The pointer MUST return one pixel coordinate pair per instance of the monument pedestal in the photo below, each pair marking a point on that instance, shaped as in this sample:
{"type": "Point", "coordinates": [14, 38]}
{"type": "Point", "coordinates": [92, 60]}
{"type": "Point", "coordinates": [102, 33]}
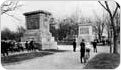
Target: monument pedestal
{"type": "Point", "coordinates": [48, 42]}
{"type": "Point", "coordinates": [85, 32]}
{"type": "Point", "coordinates": [37, 23]}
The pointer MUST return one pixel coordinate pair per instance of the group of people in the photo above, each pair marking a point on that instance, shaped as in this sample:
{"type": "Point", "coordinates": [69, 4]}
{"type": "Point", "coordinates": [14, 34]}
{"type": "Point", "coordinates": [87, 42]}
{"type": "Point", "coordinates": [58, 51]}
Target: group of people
{"type": "Point", "coordinates": [10, 46]}
{"type": "Point", "coordinates": [30, 46]}
{"type": "Point", "coordinates": [85, 49]}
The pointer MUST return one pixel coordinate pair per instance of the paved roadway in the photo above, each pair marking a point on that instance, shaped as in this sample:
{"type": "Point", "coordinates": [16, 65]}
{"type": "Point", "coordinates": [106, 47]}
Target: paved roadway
{"type": "Point", "coordinates": [62, 60]}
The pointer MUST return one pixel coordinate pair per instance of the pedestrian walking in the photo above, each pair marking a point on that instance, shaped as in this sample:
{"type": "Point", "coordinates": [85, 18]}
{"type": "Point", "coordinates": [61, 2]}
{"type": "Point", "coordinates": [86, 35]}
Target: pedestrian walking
{"type": "Point", "coordinates": [74, 46]}
{"type": "Point", "coordinates": [95, 46]}
{"type": "Point", "coordinates": [82, 51]}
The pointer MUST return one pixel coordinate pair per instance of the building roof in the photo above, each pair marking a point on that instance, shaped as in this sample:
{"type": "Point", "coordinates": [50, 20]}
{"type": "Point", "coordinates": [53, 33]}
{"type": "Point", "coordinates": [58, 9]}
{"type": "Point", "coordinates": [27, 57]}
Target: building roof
{"type": "Point", "coordinates": [37, 12]}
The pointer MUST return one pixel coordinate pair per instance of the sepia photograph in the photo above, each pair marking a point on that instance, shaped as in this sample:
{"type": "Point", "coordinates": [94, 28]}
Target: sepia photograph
{"type": "Point", "coordinates": [50, 34]}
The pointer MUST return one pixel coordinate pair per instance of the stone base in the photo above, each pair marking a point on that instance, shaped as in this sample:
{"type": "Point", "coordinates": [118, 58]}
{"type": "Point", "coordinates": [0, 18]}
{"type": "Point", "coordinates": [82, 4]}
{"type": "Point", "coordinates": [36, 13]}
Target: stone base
{"type": "Point", "coordinates": [31, 35]}
{"type": "Point", "coordinates": [51, 45]}
{"type": "Point", "coordinates": [46, 41]}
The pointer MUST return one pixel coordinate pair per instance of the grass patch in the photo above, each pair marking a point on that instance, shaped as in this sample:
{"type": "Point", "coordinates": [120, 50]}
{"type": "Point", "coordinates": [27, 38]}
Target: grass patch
{"type": "Point", "coordinates": [22, 57]}
{"type": "Point", "coordinates": [104, 61]}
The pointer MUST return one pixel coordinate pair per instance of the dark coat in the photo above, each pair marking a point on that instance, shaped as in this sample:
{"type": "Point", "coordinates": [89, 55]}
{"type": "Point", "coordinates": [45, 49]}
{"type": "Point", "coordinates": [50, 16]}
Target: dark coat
{"type": "Point", "coordinates": [74, 44]}
{"type": "Point", "coordinates": [82, 50]}
{"type": "Point", "coordinates": [94, 44]}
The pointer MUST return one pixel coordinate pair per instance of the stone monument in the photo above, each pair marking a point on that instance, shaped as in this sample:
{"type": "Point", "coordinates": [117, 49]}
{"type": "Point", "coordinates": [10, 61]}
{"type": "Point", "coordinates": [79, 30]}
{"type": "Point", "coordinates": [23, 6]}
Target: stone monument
{"type": "Point", "coordinates": [85, 32]}
{"type": "Point", "coordinates": [37, 24]}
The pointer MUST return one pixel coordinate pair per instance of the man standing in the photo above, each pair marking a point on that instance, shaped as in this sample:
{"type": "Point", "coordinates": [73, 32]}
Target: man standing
{"type": "Point", "coordinates": [74, 46]}
{"type": "Point", "coordinates": [32, 45]}
{"type": "Point", "coordinates": [27, 46]}
{"type": "Point", "coordinates": [82, 51]}
{"type": "Point", "coordinates": [95, 46]}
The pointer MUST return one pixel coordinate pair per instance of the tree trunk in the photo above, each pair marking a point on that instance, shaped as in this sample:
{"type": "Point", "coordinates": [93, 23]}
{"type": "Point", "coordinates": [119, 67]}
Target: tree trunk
{"type": "Point", "coordinates": [115, 40]}
{"type": "Point", "coordinates": [99, 37]}
{"type": "Point", "coordinates": [109, 39]}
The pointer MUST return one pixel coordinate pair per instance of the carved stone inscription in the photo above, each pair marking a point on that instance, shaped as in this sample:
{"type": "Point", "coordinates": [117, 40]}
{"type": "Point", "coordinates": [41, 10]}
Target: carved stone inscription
{"type": "Point", "coordinates": [33, 21]}
{"type": "Point", "coordinates": [84, 30]}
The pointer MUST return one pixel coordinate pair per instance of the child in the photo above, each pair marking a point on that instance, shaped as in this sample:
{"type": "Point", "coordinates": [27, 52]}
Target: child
{"type": "Point", "coordinates": [87, 54]}
{"type": "Point", "coordinates": [88, 48]}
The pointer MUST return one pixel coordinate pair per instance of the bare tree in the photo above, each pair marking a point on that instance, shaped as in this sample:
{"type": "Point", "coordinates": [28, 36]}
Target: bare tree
{"type": "Point", "coordinates": [99, 25]}
{"type": "Point", "coordinates": [21, 30]}
{"type": "Point", "coordinates": [9, 6]}
{"type": "Point", "coordinates": [113, 24]}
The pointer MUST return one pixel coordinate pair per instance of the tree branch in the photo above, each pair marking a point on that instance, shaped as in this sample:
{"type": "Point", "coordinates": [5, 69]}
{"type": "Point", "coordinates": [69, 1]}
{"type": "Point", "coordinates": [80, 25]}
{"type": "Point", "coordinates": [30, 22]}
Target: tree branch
{"type": "Point", "coordinates": [12, 16]}
{"type": "Point", "coordinates": [9, 6]}
{"type": "Point", "coordinates": [115, 11]}
{"type": "Point", "coordinates": [103, 6]}
{"type": "Point", "coordinates": [117, 5]}
{"type": "Point", "coordinates": [108, 9]}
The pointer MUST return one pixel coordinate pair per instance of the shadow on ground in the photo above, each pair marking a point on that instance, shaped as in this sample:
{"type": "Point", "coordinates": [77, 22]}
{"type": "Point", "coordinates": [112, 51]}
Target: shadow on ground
{"type": "Point", "coordinates": [104, 61]}
{"type": "Point", "coordinates": [22, 57]}
{"type": "Point", "coordinates": [25, 56]}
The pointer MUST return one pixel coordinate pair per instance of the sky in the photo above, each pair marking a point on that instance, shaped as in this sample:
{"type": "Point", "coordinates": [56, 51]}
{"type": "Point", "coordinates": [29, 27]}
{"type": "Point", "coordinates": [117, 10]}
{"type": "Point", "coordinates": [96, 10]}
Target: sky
{"type": "Point", "coordinates": [59, 10]}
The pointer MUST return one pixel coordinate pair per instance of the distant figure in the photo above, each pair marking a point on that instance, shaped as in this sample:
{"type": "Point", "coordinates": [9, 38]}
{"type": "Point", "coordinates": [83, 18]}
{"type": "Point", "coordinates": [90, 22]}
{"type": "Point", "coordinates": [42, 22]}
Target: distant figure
{"type": "Point", "coordinates": [108, 42]}
{"type": "Point", "coordinates": [27, 46]}
{"type": "Point", "coordinates": [31, 44]}
{"type": "Point", "coordinates": [82, 51]}
{"type": "Point", "coordinates": [20, 47]}
{"type": "Point", "coordinates": [95, 46]}
{"type": "Point", "coordinates": [74, 46]}
{"type": "Point", "coordinates": [103, 41]}
{"type": "Point", "coordinates": [4, 48]}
